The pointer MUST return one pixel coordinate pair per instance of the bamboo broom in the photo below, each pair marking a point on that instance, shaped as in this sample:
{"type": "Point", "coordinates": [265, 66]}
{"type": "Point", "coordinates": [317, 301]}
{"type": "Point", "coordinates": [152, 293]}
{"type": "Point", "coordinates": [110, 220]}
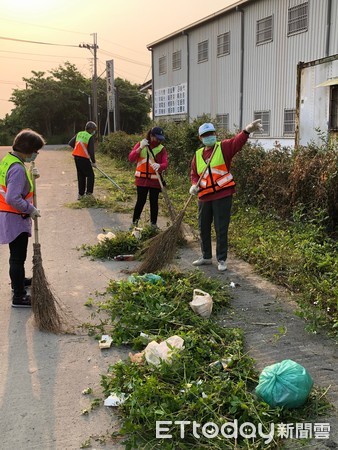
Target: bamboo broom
{"type": "Point", "coordinates": [47, 314]}
{"type": "Point", "coordinates": [162, 248]}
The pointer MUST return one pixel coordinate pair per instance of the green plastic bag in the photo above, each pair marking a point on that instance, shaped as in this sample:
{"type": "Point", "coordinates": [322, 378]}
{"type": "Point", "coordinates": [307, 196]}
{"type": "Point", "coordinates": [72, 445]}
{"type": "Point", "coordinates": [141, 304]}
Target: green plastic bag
{"type": "Point", "coordinates": [148, 277]}
{"type": "Point", "coordinates": [285, 384]}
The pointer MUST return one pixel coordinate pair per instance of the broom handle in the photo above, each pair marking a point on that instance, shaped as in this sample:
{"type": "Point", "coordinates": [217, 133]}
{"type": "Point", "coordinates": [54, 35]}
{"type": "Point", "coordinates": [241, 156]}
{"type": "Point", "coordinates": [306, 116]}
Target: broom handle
{"type": "Point", "coordinates": [199, 180]}
{"type": "Point", "coordinates": [156, 171]}
{"type": "Point", "coordinates": [36, 228]}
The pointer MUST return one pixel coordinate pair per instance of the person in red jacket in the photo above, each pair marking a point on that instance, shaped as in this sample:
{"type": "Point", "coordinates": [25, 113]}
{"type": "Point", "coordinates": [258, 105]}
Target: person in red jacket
{"type": "Point", "coordinates": [151, 159]}
{"type": "Point", "coordinates": [216, 188]}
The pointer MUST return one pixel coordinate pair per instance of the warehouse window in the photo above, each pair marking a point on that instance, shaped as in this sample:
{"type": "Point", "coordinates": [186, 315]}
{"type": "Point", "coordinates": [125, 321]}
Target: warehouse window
{"type": "Point", "coordinates": [289, 122]}
{"type": "Point", "coordinates": [334, 108]}
{"type": "Point", "coordinates": [176, 60]}
{"type": "Point", "coordinates": [264, 30]}
{"type": "Point", "coordinates": [265, 118]}
{"type": "Point", "coordinates": [298, 19]}
{"type": "Point", "coordinates": [223, 121]}
{"type": "Point", "coordinates": [202, 51]}
{"type": "Point", "coordinates": [223, 44]}
{"type": "Point", "coordinates": [162, 65]}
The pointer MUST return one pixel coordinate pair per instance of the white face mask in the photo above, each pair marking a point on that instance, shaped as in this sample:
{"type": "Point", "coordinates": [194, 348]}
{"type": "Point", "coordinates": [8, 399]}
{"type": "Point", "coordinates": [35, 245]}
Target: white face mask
{"type": "Point", "coordinates": [31, 158]}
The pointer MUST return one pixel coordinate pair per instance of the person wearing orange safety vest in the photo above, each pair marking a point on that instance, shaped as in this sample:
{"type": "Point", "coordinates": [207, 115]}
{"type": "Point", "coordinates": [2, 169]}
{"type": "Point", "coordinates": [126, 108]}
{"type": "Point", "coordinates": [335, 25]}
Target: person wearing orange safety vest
{"type": "Point", "coordinates": [17, 209]}
{"type": "Point", "coordinates": [150, 157]}
{"type": "Point", "coordinates": [212, 181]}
{"type": "Point", "coordinates": [84, 157]}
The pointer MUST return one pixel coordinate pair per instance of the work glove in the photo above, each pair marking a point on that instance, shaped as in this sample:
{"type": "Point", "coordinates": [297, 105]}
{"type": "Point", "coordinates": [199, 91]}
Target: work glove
{"type": "Point", "coordinates": [155, 166]}
{"type": "Point", "coordinates": [193, 190]}
{"type": "Point", "coordinates": [256, 125]}
{"type": "Point", "coordinates": [93, 164]}
{"type": "Point", "coordinates": [143, 143]}
{"type": "Point", "coordinates": [35, 173]}
{"type": "Point", "coordinates": [35, 213]}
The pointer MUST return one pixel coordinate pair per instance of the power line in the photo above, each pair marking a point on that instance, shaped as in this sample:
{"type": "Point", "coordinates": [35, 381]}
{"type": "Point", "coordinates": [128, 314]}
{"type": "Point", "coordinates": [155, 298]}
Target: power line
{"type": "Point", "coordinates": [40, 54]}
{"type": "Point", "coordinates": [36, 42]}
{"type": "Point", "coordinates": [123, 58]}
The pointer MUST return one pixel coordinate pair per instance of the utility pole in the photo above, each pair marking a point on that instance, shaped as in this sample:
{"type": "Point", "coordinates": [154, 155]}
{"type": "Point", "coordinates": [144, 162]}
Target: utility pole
{"type": "Point", "coordinates": [93, 50]}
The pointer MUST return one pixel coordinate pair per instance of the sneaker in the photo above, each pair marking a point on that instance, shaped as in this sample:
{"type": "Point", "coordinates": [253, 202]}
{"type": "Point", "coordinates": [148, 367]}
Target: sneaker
{"type": "Point", "coordinates": [222, 266]}
{"type": "Point", "coordinates": [133, 225]}
{"type": "Point", "coordinates": [22, 302]}
{"type": "Point", "coordinates": [202, 261]}
{"type": "Point", "coordinates": [80, 196]}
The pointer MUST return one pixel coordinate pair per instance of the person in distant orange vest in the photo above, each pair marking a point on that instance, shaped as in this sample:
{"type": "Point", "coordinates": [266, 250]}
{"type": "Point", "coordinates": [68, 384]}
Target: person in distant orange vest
{"type": "Point", "coordinates": [216, 188]}
{"type": "Point", "coordinates": [146, 179]}
{"type": "Point", "coordinates": [84, 156]}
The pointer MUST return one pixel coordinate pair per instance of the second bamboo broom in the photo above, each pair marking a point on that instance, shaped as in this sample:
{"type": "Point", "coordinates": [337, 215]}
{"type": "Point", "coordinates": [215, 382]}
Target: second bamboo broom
{"type": "Point", "coordinates": [162, 248]}
{"type": "Point", "coordinates": [45, 306]}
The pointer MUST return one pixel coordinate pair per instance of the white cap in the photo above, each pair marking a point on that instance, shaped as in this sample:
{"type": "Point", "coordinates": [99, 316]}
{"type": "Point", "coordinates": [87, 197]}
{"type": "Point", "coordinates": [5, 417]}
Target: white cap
{"type": "Point", "coordinates": [205, 128]}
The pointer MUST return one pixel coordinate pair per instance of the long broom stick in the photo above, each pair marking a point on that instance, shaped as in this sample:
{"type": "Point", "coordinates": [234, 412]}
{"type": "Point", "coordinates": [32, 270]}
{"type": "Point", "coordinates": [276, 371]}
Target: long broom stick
{"type": "Point", "coordinates": [170, 207]}
{"type": "Point", "coordinates": [162, 248]}
{"type": "Point", "coordinates": [110, 179]}
{"type": "Point", "coordinates": [44, 304]}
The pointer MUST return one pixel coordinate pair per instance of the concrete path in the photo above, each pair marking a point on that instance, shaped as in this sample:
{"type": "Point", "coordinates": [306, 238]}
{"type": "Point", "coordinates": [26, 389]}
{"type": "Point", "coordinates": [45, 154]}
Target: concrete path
{"type": "Point", "coordinates": [42, 376]}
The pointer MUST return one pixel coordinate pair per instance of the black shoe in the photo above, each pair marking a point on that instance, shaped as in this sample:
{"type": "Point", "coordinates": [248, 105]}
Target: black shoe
{"type": "Point", "coordinates": [22, 302]}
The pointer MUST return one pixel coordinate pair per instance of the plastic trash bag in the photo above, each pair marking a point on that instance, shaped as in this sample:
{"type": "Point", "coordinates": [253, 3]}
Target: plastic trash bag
{"type": "Point", "coordinates": [155, 353]}
{"type": "Point", "coordinates": [201, 303]}
{"type": "Point", "coordinates": [285, 384]}
{"type": "Point", "coordinates": [148, 277]}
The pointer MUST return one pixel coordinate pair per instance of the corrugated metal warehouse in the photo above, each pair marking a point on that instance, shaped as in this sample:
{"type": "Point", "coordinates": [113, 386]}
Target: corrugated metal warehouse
{"type": "Point", "coordinates": [240, 64]}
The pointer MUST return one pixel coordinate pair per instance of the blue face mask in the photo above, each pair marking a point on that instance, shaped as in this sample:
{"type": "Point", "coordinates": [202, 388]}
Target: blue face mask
{"type": "Point", "coordinates": [31, 158]}
{"type": "Point", "coordinates": [209, 141]}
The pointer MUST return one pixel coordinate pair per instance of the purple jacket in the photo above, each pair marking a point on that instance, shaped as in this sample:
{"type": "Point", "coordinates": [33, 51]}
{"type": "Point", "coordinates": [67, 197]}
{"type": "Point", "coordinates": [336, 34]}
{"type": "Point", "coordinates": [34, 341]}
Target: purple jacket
{"type": "Point", "coordinates": [11, 225]}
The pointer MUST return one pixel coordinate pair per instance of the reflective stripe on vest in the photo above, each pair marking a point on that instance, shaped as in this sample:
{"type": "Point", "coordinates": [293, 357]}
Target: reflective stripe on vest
{"type": "Point", "coordinates": [143, 168]}
{"type": "Point", "coordinates": [81, 144]}
{"type": "Point", "coordinates": [217, 177]}
{"type": "Point", "coordinates": [5, 164]}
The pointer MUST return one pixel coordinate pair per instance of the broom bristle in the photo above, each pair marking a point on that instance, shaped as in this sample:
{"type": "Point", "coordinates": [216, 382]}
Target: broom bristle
{"type": "Point", "coordinates": [162, 248]}
{"type": "Point", "coordinates": [48, 313]}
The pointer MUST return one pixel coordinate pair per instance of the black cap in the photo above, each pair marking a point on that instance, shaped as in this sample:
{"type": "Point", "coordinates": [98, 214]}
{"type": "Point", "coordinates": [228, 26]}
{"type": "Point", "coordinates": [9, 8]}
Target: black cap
{"type": "Point", "coordinates": [158, 133]}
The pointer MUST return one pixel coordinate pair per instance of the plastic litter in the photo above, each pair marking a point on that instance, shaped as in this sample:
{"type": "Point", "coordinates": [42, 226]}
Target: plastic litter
{"type": "Point", "coordinates": [102, 237]}
{"type": "Point", "coordinates": [155, 353]}
{"type": "Point", "coordinates": [286, 383]}
{"type": "Point", "coordinates": [124, 258]}
{"type": "Point", "coordinates": [137, 232]}
{"type": "Point", "coordinates": [105, 341]}
{"type": "Point", "coordinates": [148, 277]}
{"type": "Point", "coordinates": [202, 303]}
{"type": "Point", "coordinates": [115, 400]}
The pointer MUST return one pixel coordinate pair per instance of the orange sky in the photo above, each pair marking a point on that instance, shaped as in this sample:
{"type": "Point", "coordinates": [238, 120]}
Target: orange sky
{"type": "Point", "coordinates": [123, 27]}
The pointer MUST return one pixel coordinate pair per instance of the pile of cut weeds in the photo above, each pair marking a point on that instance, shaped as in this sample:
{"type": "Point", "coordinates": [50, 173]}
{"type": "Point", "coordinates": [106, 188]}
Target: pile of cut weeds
{"type": "Point", "coordinates": [191, 388]}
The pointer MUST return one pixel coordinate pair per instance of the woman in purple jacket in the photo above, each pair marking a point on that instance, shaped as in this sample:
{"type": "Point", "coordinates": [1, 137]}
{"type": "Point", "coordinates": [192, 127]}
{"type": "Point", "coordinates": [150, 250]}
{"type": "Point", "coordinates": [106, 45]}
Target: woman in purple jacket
{"type": "Point", "coordinates": [17, 210]}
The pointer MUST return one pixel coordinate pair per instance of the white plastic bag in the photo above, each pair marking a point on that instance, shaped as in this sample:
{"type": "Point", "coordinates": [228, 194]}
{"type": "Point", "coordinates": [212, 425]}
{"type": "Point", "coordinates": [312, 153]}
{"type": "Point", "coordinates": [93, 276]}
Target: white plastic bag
{"type": "Point", "coordinates": [201, 303]}
{"type": "Point", "coordinates": [155, 352]}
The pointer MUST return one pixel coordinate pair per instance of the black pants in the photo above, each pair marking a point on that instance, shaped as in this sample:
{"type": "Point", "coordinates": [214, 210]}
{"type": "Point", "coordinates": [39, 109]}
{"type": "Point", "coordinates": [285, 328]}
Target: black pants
{"type": "Point", "coordinates": [217, 211]}
{"type": "Point", "coordinates": [142, 193]}
{"type": "Point", "coordinates": [85, 175]}
{"type": "Point", "coordinates": [17, 258]}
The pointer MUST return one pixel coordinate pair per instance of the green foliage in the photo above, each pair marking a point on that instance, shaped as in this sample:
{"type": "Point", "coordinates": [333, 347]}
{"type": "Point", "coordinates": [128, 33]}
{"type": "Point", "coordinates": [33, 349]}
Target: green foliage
{"type": "Point", "coordinates": [123, 244]}
{"type": "Point", "coordinates": [297, 254]}
{"type": "Point", "coordinates": [118, 145]}
{"type": "Point", "coordinates": [191, 387]}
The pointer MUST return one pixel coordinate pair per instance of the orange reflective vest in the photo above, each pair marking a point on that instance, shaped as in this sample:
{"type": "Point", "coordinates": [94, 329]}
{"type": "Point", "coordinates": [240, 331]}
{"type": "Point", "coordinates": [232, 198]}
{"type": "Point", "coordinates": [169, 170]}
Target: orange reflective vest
{"type": "Point", "coordinates": [5, 164]}
{"type": "Point", "coordinates": [143, 168]}
{"type": "Point", "coordinates": [81, 144]}
{"type": "Point", "coordinates": [217, 177]}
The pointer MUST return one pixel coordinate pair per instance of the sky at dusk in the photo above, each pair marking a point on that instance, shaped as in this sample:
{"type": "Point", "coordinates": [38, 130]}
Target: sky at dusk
{"type": "Point", "coordinates": [123, 27]}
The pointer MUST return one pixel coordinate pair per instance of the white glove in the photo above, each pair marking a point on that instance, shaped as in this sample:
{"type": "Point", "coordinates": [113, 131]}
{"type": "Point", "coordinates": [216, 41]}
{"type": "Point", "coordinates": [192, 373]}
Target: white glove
{"type": "Point", "coordinates": [35, 213]}
{"type": "Point", "coordinates": [93, 164]}
{"type": "Point", "coordinates": [193, 190]}
{"type": "Point", "coordinates": [155, 166]}
{"type": "Point", "coordinates": [143, 143]}
{"type": "Point", "coordinates": [35, 173]}
{"type": "Point", "coordinates": [256, 125]}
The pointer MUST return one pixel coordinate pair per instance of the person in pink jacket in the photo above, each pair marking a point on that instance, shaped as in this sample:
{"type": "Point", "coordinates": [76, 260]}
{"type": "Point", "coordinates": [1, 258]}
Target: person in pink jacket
{"type": "Point", "coordinates": [151, 159]}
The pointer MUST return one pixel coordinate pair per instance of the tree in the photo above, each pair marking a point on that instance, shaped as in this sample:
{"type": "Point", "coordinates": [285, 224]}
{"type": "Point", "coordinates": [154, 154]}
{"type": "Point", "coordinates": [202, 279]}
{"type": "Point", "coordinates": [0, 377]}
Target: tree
{"type": "Point", "coordinates": [133, 107]}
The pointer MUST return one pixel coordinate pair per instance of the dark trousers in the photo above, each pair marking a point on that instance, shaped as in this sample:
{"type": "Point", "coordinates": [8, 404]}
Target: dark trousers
{"type": "Point", "coordinates": [17, 258]}
{"type": "Point", "coordinates": [142, 193]}
{"type": "Point", "coordinates": [85, 175]}
{"type": "Point", "coordinates": [217, 211]}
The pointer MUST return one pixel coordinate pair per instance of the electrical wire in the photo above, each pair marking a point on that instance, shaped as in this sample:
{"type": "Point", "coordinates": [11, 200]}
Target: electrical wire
{"type": "Point", "coordinates": [36, 42]}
